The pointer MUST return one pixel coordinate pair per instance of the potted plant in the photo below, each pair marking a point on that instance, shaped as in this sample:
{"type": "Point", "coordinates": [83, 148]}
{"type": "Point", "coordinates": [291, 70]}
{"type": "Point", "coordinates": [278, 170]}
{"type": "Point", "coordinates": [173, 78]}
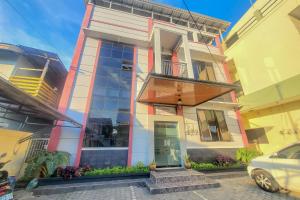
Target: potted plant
{"type": "Point", "coordinates": [152, 166]}
{"type": "Point", "coordinates": [187, 162]}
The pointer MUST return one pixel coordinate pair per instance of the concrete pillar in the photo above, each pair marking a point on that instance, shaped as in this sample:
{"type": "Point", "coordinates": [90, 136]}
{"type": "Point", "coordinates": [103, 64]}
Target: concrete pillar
{"type": "Point", "coordinates": [157, 51]}
{"type": "Point", "coordinates": [195, 35]}
{"type": "Point", "coordinates": [187, 56]}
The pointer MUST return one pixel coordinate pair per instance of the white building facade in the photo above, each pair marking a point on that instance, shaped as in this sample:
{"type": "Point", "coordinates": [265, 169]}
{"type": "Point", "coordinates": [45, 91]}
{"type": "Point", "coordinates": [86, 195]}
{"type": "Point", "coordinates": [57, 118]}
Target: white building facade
{"type": "Point", "coordinates": [148, 82]}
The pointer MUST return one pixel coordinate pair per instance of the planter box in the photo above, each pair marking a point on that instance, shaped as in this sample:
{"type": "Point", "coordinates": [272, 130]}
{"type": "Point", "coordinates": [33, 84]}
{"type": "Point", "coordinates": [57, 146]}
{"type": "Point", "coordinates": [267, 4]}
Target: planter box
{"type": "Point", "coordinates": [83, 179]}
{"type": "Point", "coordinates": [220, 170]}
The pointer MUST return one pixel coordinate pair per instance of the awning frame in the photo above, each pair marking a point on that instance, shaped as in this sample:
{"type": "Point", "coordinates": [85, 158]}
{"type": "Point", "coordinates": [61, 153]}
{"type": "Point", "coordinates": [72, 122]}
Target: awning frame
{"type": "Point", "coordinates": [187, 80]}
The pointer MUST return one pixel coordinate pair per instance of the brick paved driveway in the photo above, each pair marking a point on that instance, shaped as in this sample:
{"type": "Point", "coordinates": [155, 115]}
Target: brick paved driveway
{"type": "Point", "coordinates": [231, 189]}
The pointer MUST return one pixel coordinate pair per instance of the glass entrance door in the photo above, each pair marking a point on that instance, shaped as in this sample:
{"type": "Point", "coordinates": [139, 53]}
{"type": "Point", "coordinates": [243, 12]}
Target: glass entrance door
{"type": "Point", "coordinates": [166, 144]}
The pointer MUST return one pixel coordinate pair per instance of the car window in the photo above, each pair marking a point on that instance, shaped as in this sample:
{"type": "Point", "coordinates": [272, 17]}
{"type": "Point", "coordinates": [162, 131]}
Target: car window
{"type": "Point", "coordinates": [292, 152]}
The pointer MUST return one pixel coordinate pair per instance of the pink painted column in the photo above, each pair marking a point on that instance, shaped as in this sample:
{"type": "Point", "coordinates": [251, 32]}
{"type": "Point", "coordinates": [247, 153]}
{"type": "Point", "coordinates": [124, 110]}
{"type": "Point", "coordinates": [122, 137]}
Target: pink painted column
{"type": "Point", "coordinates": [66, 93]}
{"type": "Point", "coordinates": [151, 110]}
{"type": "Point", "coordinates": [132, 103]}
{"type": "Point", "coordinates": [233, 96]}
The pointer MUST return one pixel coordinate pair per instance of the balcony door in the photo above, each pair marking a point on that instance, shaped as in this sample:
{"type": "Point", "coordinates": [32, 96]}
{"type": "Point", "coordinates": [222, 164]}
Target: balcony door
{"type": "Point", "coordinates": [167, 144]}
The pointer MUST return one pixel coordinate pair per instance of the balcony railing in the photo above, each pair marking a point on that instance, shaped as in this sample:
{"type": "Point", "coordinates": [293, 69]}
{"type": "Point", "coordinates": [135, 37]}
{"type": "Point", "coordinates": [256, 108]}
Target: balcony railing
{"type": "Point", "coordinates": [177, 69]}
{"type": "Point", "coordinates": [31, 82]}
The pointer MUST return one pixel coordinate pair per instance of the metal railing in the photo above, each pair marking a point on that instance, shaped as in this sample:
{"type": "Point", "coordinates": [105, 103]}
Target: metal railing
{"type": "Point", "coordinates": [31, 82]}
{"type": "Point", "coordinates": [36, 145]}
{"type": "Point", "coordinates": [177, 69]}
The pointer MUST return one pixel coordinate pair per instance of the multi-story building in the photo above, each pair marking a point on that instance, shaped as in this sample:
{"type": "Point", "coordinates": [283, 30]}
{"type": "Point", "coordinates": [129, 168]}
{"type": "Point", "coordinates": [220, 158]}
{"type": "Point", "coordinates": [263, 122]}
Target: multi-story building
{"type": "Point", "coordinates": [31, 82]}
{"type": "Point", "coordinates": [148, 82]}
{"type": "Point", "coordinates": [262, 51]}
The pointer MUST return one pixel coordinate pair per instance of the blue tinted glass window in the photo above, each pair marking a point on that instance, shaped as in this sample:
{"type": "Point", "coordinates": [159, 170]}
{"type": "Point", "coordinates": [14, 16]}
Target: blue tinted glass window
{"type": "Point", "coordinates": [127, 55]}
{"type": "Point", "coordinates": [116, 54]}
{"type": "Point", "coordinates": [108, 121]}
{"type": "Point", "coordinates": [105, 52]}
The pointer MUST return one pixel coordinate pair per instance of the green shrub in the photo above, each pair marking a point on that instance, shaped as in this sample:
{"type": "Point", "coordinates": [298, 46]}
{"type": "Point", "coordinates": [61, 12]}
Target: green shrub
{"type": "Point", "coordinates": [203, 166]}
{"type": "Point", "coordinates": [245, 155]}
{"type": "Point", "coordinates": [212, 166]}
{"type": "Point", "coordinates": [140, 164]}
{"type": "Point", "coordinates": [45, 163]}
{"type": "Point", "coordinates": [138, 168]}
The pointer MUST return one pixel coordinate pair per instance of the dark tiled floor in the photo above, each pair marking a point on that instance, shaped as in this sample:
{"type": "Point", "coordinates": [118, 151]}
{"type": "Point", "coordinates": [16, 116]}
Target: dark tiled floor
{"type": "Point", "coordinates": [231, 189]}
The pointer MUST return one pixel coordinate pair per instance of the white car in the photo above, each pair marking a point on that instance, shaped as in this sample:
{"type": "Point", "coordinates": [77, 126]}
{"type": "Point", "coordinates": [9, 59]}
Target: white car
{"type": "Point", "coordinates": [280, 170]}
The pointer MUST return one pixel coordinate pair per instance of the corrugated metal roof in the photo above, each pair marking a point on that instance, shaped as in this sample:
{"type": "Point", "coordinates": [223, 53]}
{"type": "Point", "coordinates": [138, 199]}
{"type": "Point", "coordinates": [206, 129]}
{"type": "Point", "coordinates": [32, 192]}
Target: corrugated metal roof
{"type": "Point", "coordinates": [37, 57]}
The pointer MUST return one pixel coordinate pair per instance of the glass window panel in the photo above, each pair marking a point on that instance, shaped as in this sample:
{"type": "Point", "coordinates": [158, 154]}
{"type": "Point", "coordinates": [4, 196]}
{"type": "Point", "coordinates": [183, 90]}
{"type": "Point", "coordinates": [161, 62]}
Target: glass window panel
{"type": "Point", "coordinates": [116, 54]}
{"type": "Point", "coordinates": [127, 56]}
{"type": "Point", "coordinates": [124, 94]}
{"type": "Point", "coordinates": [105, 52]}
{"type": "Point", "coordinates": [126, 74]}
{"type": "Point", "coordinates": [97, 103]}
{"type": "Point", "coordinates": [117, 47]}
{"type": "Point", "coordinates": [112, 93]}
{"type": "Point", "coordinates": [123, 117]}
{"type": "Point", "coordinates": [106, 44]}
{"type": "Point", "coordinates": [225, 135]}
{"type": "Point", "coordinates": [204, 130]}
{"type": "Point", "coordinates": [124, 103]}
{"type": "Point", "coordinates": [210, 73]}
{"type": "Point", "coordinates": [128, 49]}
{"type": "Point", "coordinates": [111, 104]}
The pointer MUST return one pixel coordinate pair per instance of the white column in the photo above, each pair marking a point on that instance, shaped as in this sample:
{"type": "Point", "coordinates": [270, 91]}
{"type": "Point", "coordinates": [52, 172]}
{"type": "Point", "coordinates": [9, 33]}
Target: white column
{"type": "Point", "coordinates": [157, 51]}
{"type": "Point", "coordinates": [187, 56]}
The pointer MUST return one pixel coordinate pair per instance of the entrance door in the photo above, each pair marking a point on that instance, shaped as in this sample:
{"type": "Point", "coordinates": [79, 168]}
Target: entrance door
{"type": "Point", "coordinates": [166, 144]}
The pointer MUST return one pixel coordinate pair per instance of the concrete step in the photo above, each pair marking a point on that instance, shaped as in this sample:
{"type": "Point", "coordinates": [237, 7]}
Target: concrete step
{"type": "Point", "coordinates": [172, 176]}
{"type": "Point", "coordinates": [72, 187]}
{"type": "Point", "coordinates": [180, 186]}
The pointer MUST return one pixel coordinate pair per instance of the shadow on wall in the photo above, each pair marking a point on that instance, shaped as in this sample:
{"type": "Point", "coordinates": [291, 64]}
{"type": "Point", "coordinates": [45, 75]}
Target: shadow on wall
{"type": "Point", "coordinates": [16, 152]}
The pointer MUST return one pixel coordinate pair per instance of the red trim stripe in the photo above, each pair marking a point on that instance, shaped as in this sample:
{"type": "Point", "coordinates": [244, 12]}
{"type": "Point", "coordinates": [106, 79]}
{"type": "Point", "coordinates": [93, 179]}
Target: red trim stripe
{"type": "Point", "coordinates": [233, 97]}
{"type": "Point", "coordinates": [151, 110]}
{"type": "Point", "coordinates": [87, 107]}
{"type": "Point", "coordinates": [132, 99]}
{"type": "Point", "coordinates": [66, 93]}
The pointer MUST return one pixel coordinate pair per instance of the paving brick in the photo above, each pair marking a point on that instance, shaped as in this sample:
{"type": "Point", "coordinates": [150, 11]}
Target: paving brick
{"type": "Point", "coordinates": [242, 188]}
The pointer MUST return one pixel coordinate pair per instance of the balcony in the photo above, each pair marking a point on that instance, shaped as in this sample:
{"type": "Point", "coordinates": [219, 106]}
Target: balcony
{"type": "Point", "coordinates": [173, 85]}
{"type": "Point", "coordinates": [175, 69]}
{"type": "Point", "coordinates": [31, 81]}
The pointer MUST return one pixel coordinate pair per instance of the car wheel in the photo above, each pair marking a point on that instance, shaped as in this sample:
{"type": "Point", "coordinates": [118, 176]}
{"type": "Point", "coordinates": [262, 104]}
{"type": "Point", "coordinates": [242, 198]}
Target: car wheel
{"type": "Point", "coordinates": [265, 181]}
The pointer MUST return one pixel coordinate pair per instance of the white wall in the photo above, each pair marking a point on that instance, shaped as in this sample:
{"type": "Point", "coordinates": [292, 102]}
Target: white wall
{"type": "Point", "coordinates": [114, 22]}
{"type": "Point", "coordinates": [141, 138]}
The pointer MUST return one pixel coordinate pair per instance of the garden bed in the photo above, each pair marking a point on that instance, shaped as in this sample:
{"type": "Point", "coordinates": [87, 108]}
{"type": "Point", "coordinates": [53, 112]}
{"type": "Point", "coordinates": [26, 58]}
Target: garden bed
{"type": "Point", "coordinates": [213, 168]}
{"type": "Point", "coordinates": [96, 178]}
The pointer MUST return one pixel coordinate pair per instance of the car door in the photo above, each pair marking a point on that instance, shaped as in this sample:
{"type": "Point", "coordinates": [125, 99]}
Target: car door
{"type": "Point", "coordinates": [286, 167]}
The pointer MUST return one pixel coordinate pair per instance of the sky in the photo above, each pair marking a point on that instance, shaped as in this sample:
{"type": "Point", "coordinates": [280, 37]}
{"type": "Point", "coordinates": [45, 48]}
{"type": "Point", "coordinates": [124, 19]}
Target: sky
{"type": "Point", "coordinates": [53, 25]}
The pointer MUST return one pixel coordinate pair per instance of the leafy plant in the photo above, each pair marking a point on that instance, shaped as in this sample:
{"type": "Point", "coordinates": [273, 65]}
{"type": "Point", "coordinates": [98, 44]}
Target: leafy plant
{"type": "Point", "coordinates": [212, 166]}
{"type": "Point", "coordinates": [118, 170]}
{"type": "Point", "coordinates": [45, 163]}
{"type": "Point", "coordinates": [245, 155]}
{"type": "Point", "coordinates": [140, 165]}
{"type": "Point", "coordinates": [222, 160]}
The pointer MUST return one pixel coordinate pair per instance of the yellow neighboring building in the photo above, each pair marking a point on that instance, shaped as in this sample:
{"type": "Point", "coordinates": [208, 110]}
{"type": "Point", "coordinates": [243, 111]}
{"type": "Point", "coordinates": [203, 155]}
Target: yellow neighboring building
{"type": "Point", "coordinates": [263, 55]}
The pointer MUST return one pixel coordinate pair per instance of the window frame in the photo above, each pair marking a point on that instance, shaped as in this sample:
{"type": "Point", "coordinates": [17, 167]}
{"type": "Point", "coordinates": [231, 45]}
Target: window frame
{"type": "Point", "coordinates": [219, 131]}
